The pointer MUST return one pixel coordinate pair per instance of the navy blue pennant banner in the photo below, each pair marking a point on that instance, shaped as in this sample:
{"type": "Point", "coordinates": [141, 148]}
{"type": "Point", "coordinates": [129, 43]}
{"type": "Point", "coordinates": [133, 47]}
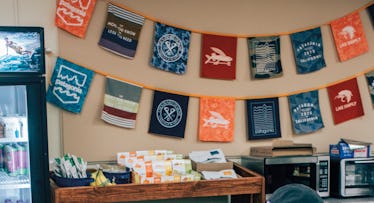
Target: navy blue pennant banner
{"type": "Point", "coordinates": [370, 81]}
{"type": "Point", "coordinates": [263, 118]}
{"type": "Point", "coordinates": [69, 85]}
{"type": "Point", "coordinates": [265, 57]}
{"type": "Point", "coordinates": [121, 32]}
{"type": "Point", "coordinates": [169, 114]}
{"type": "Point", "coordinates": [308, 50]}
{"type": "Point", "coordinates": [305, 112]}
{"type": "Point", "coordinates": [170, 48]}
{"type": "Point", "coordinates": [371, 13]}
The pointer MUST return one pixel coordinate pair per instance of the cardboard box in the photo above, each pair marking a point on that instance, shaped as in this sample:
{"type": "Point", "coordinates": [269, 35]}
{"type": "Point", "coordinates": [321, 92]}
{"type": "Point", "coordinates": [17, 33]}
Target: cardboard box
{"type": "Point", "coordinates": [197, 166]}
{"type": "Point", "coordinates": [349, 149]}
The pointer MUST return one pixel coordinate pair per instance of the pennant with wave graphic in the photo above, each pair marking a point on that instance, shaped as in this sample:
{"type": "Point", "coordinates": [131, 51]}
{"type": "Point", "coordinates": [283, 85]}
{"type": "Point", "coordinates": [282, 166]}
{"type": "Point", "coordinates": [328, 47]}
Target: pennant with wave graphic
{"type": "Point", "coordinates": [263, 118]}
{"type": "Point", "coordinates": [121, 103]}
{"type": "Point", "coordinates": [69, 85]}
{"type": "Point", "coordinates": [265, 57]}
{"type": "Point", "coordinates": [74, 15]}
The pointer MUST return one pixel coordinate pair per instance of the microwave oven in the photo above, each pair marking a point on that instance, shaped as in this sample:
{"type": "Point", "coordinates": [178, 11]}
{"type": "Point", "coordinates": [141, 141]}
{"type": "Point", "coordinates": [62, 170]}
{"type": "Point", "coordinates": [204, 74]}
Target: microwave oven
{"type": "Point", "coordinates": [352, 177]}
{"type": "Point", "coordinates": [310, 170]}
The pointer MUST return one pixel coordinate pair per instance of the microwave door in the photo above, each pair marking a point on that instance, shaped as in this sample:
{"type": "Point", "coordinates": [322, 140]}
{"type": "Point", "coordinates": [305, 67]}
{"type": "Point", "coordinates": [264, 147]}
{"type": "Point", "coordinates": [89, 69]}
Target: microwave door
{"type": "Point", "coordinates": [358, 177]}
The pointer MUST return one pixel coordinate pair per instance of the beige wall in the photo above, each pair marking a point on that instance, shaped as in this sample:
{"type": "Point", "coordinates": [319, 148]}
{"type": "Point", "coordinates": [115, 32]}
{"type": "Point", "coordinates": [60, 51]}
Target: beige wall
{"type": "Point", "coordinates": [87, 136]}
{"type": "Point", "coordinates": [38, 13]}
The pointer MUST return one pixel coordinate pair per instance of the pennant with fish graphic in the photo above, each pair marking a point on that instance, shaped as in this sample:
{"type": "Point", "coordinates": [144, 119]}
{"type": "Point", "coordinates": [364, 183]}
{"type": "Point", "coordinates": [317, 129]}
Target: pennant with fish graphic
{"type": "Point", "coordinates": [370, 82]}
{"type": "Point", "coordinates": [170, 48]}
{"type": "Point", "coordinates": [305, 112]}
{"type": "Point", "coordinates": [218, 57]}
{"type": "Point", "coordinates": [121, 103]}
{"type": "Point", "coordinates": [265, 57]}
{"type": "Point", "coordinates": [121, 32]}
{"type": "Point", "coordinates": [308, 50]}
{"type": "Point", "coordinates": [74, 15]}
{"type": "Point", "coordinates": [169, 114]}
{"type": "Point", "coordinates": [349, 36]}
{"type": "Point", "coordinates": [345, 101]}
{"type": "Point", "coordinates": [263, 118]}
{"type": "Point", "coordinates": [216, 121]}
{"type": "Point", "coordinates": [69, 85]}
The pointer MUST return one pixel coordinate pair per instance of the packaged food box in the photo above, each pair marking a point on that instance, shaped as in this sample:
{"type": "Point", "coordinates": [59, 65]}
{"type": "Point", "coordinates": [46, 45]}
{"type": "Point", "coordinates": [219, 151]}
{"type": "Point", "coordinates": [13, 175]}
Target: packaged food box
{"type": "Point", "coordinates": [199, 166]}
{"type": "Point", "coordinates": [346, 148]}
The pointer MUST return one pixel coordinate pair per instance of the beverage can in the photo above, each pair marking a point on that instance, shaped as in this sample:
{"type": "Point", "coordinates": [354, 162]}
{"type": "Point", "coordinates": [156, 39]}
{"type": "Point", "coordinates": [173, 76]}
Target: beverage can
{"type": "Point", "coordinates": [10, 159]}
{"type": "Point", "coordinates": [22, 159]}
{"type": "Point", "coordinates": [1, 157]}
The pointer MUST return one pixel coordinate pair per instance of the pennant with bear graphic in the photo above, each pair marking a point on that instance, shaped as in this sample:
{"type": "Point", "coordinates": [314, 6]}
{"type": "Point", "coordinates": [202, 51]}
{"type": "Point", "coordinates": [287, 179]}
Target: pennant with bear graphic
{"type": "Point", "coordinates": [349, 36]}
{"type": "Point", "coordinates": [121, 103]}
{"type": "Point", "coordinates": [121, 32]}
{"type": "Point", "coordinates": [169, 114]}
{"type": "Point", "coordinates": [265, 57]}
{"type": "Point", "coordinates": [170, 48]}
{"type": "Point", "coordinates": [263, 118]}
{"type": "Point", "coordinates": [74, 15]}
{"type": "Point", "coordinates": [345, 101]}
{"type": "Point", "coordinates": [308, 50]}
{"type": "Point", "coordinates": [218, 57]}
{"type": "Point", "coordinates": [216, 122]}
{"type": "Point", "coordinates": [370, 82]}
{"type": "Point", "coordinates": [69, 85]}
{"type": "Point", "coordinates": [305, 112]}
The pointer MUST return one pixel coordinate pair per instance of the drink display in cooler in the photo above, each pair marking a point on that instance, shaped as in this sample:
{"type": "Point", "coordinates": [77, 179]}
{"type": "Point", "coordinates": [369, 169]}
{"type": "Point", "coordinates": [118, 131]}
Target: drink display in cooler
{"type": "Point", "coordinates": [15, 185]}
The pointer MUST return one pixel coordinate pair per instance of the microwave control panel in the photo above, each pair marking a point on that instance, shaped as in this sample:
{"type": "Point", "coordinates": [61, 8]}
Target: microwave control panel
{"type": "Point", "coordinates": [323, 176]}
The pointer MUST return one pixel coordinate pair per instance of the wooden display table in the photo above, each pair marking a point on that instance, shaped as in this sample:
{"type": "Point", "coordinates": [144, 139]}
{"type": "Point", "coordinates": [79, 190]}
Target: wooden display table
{"type": "Point", "coordinates": [250, 186]}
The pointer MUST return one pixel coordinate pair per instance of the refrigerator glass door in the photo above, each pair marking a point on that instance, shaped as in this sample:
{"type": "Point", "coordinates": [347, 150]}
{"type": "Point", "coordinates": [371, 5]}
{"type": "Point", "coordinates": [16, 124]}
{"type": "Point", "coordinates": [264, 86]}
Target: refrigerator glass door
{"type": "Point", "coordinates": [15, 184]}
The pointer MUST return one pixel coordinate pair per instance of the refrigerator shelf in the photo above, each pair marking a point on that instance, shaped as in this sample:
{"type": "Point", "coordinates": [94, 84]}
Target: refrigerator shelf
{"type": "Point", "coordinates": [20, 181]}
{"type": "Point", "coordinates": [12, 140]}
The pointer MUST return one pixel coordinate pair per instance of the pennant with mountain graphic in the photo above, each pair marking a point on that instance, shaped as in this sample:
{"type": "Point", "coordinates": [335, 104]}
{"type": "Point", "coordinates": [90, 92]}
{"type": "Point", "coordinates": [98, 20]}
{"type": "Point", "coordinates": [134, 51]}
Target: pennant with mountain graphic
{"type": "Point", "coordinates": [305, 112]}
{"type": "Point", "coordinates": [349, 36]}
{"type": "Point", "coordinates": [121, 31]}
{"type": "Point", "coordinates": [74, 15]}
{"type": "Point", "coordinates": [121, 103]}
{"type": "Point", "coordinates": [218, 57]}
{"type": "Point", "coordinates": [345, 101]}
{"type": "Point", "coordinates": [69, 85]}
{"type": "Point", "coordinates": [216, 121]}
{"type": "Point", "coordinates": [170, 48]}
{"type": "Point", "coordinates": [308, 50]}
{"type": "Point", "coordinates": [263, 118]}
{"type": "Point", "coordinates": [265, 57]}
{"type": "Point", "coordinates": [169, 114]}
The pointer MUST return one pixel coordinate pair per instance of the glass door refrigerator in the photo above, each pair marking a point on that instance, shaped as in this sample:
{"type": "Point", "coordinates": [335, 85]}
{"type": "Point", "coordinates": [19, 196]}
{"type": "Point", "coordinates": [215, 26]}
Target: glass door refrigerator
{"type": "Point", "coordinates": [24, 168]}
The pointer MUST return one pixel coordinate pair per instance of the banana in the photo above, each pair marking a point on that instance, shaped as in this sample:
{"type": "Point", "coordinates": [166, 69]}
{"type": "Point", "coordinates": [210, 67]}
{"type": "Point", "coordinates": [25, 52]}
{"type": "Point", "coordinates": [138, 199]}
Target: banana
{"type": "Point", "coordinates": [100, 179]}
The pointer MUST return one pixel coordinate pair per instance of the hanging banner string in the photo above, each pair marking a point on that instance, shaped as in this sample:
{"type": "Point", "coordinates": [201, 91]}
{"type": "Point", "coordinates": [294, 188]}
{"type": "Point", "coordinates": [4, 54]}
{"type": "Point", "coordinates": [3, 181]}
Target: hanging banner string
{"type": "Point", "coordinates": [226, 34]}
{"type": "Point", "coordinates": [105, 74]}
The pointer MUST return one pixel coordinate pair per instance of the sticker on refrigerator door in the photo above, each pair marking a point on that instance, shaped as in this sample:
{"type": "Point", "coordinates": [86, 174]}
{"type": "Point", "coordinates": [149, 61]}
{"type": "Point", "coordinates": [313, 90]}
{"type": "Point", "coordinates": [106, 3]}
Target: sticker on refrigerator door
{"type": "Point", "coordinates": [69, 85]}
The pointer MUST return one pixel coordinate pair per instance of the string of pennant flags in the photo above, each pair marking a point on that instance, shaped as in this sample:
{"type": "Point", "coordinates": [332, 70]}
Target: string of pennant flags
{"type": "Point", "coordinates": [70, 82]}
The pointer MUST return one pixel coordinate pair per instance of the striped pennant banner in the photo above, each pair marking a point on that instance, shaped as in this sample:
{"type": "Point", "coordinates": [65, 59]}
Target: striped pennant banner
{"type": "Point", "coordinates": [121, 103]}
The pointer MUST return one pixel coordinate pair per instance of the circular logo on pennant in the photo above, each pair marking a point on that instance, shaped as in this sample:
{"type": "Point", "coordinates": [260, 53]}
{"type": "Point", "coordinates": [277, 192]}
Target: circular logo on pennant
{"type": "Point", "coordinates": [170, 47]}
{"type": "Point", "coordinates": [169, 113]}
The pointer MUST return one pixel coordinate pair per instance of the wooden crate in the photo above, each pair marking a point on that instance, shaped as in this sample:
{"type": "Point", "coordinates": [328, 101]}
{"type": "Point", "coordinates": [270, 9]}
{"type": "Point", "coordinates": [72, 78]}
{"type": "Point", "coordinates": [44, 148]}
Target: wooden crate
{"type": "Point", "coordinates": [249, 188]}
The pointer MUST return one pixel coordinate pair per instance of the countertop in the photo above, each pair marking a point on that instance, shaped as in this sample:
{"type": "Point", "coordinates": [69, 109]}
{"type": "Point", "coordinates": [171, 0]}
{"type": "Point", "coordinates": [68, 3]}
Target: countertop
{"type": "Point", "coordinates": [349, 200]}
